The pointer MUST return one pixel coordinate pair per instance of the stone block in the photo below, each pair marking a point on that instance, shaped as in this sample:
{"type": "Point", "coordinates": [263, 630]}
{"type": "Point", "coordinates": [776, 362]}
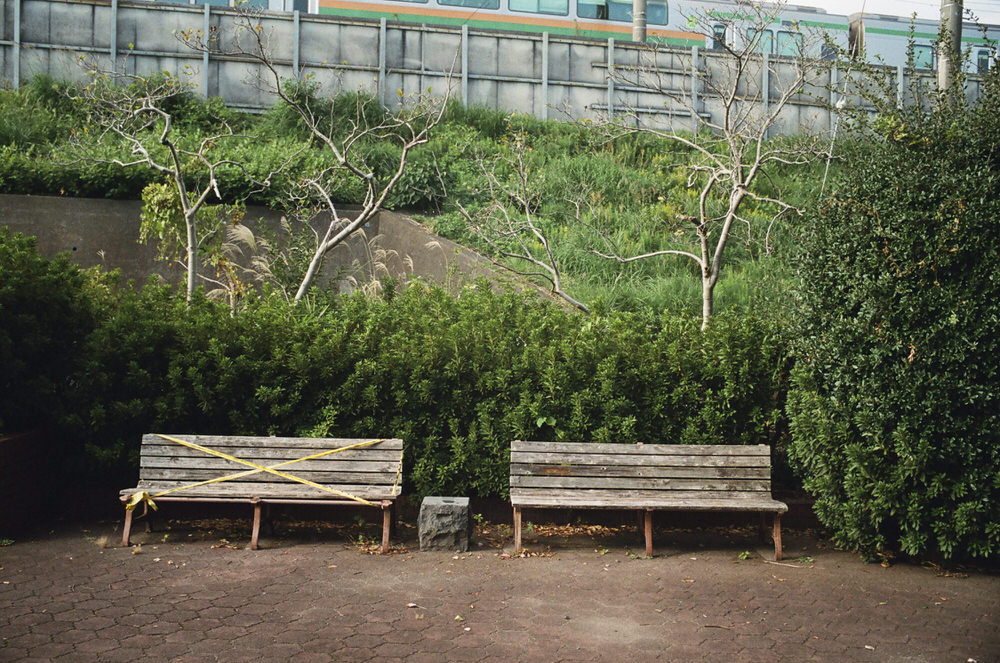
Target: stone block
{"type": "Point", "coordinates": [444, 523]}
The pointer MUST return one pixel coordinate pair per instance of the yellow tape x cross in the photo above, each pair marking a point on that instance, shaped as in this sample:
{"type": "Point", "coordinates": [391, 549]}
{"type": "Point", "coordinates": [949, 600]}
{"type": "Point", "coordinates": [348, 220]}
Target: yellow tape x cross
{"type": "Point", "coordinates": [145, 497]}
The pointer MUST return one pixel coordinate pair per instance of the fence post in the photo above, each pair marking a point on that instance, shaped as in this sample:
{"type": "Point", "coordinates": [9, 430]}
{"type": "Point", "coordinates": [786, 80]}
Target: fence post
{"type": "Point", "coordinates": [206, 34]}
{"type": "Point", "coordinates": [765, 90]}
{"type": "Point", "coordinates": [465, 65]}
{"type": "Point", "coordinates": [113, 38]}
{"type": "Point", "coordinates": [17, 44]}
{"type": "Point", "coordinates": [545, 75]}
{"type": "Point", "coordinates": [694, 89]}
{"type": "Point", "coordinates": [611, 79]}
{"type": "Point", "coordinates": [296, 44]}
{"type": "Point", "coordinates": [380, 88]}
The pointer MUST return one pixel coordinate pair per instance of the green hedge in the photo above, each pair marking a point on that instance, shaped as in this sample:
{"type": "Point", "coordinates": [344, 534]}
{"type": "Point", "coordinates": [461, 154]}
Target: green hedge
{"type": "Point", "coordinates": [456, 376]}
{"type": "Point", "coordinates": [895, 411]}
{"type": "Point", "coordinates": [46, 316]}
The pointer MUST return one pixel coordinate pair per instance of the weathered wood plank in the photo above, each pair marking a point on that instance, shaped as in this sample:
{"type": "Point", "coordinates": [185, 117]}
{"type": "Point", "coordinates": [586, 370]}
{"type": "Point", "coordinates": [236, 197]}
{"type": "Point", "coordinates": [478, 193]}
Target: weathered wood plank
{"type": "Point", "coordinates": [664, 504]}
{"type": "Point", "coordinates": [655, 449]}
{"type": "Point", "coordinates": [290, 442]}
{"type": "Point", "coordinates": [610, 497]}
{"type": "Point", "coordinates": [633, 483]}
{"type": "Point", "coordinates": [204, 461]}
{"type": "Point", "coordinates": [275, 453]}
{"type": "Point", "coordinates": [542, 458]}
{"type": "Point", "coordinates": [332, 477]}
{"type": "Point", "coordinates": [541, 469]}
{"type": "Point", "coordinates": [244, 490]}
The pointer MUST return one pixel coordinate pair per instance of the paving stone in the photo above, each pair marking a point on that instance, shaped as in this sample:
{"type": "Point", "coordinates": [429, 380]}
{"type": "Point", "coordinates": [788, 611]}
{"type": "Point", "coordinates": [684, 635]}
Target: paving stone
{"type": "Point", "coordinates": [243, 606]}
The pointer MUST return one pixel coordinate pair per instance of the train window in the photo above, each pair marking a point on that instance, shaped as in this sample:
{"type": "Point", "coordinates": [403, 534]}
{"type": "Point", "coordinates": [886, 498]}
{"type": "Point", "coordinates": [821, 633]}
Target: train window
{"type": "Point", "coordinates": [764, 39]}
{"type": "Point", "coordinates": [656, 12]}
{"type": "Point", "coordinates": [856, 38]}
{"type": "Point", "coordinates": [718, 37]}
{"type": "Point", "coordinates": [789, 43]}
{"type": "Point", "coordinates": [604, 10]}
{"type": "Point", "coordinates": [475, 4]}
{"type": "Point", "coordinates": [560, 7]}
{"type": "Point", "coordinates": [612, 10]}
{"type": "Point", "coordinates": [923, 57]}
{"type": "Point", "coordinates": [983, 62]}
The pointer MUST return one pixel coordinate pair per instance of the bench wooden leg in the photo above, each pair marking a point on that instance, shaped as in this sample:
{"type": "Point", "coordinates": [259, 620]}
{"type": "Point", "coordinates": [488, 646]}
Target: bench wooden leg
{"type": "Point", "coordinates": [647, 527]}
{"type": "Point", "coordinates": [517, 531]}
{"type": "Point", "coordinates": [386, 527]}
{"type": "Point", "coordinates": [256, 524]}
{"type": "Point", "coordinates": [128, 528]}
{"type": "Point", "coordinates": [776, 535]}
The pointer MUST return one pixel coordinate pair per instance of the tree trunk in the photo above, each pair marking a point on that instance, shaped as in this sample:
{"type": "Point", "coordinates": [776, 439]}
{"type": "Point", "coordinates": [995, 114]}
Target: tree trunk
{"type": "Point", "coordinates": [707, 301]}
{"type": "Point", "coordinates": [310, 275]}
{"type": "Point", "coordinates": [192, 254]}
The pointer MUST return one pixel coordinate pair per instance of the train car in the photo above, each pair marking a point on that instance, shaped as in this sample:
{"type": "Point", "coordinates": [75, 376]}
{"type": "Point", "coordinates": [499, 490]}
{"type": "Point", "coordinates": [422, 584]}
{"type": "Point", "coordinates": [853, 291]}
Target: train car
{"type": "Point", "coordinates": [875, 37]}
{"type": "Point", "coordinates": [878, 38]}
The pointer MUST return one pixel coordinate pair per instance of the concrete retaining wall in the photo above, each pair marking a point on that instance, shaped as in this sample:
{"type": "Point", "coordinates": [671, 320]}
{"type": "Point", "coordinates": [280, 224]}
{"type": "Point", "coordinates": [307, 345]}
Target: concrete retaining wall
{"type": "Point", "coordinates": [106, 233]}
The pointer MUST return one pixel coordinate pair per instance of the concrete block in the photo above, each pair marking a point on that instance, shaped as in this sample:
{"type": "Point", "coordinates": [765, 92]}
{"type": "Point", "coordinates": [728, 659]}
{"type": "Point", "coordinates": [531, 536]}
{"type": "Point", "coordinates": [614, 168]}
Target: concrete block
{"type": "Point", "coordinates": [444, 523]}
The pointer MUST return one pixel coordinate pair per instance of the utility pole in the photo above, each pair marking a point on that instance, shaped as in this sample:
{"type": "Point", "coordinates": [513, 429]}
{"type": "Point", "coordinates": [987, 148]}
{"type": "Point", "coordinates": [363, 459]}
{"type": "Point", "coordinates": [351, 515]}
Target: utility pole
{"type": "Point", "coordinates": [639, 21]}
{"type": "Point", "coordinates": [949, 43]}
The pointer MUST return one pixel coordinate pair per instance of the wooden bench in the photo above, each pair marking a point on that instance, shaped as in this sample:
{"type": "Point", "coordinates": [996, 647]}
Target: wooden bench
{"type": "Point", "coordinates": [644, 477]}
{"type": "Point", "coordinates": [267, 470]}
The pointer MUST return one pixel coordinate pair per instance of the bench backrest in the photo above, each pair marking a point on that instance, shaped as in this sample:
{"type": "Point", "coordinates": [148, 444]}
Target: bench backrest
{"type": "Point", "coordinates": [607, 474]}
{"type": "Point", "coordinates": [370, 471]}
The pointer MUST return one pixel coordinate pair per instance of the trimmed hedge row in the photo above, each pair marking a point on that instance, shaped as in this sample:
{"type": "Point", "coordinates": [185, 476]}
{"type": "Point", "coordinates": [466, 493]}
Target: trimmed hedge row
{"type": "Point", "coordinates": [456, 376]}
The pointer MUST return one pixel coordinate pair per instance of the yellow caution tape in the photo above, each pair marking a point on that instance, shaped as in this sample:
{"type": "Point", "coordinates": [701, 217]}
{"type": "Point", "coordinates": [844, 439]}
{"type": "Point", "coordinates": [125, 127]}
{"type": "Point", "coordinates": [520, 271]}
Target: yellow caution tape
{"type": "Point", "coordinates": [145, 497]}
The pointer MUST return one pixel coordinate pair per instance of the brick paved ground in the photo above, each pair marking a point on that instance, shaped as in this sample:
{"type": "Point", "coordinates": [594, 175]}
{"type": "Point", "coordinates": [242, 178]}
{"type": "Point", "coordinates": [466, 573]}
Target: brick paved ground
{"type": "Point", "coordinates": [311, 598]}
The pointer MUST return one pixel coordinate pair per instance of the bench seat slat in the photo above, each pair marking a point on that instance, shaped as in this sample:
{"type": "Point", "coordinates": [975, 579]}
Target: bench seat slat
{"type": "Point", "coordinates": [580, 496]}
{"type": "Point", "coordinates": [640, 460]}
{"type": "Point", "coordinates": [276, 454]}
{"type": "Point", "coordinates": [317, 443]}
{"type": "Point", "coordinates": [192, 475]}
{"type": "Point", "coordinates": [222, 465]}
{"type": "Point", "coordinates": [646, 471]}
{"type": "Point", "coordinates": [617, 502]}
{"type": "Point", "coordinates": [633, 483]}
{"type": "Point", "coordinates": [654, 449]}
{"type": "Point", "coordinates": [237, 489]}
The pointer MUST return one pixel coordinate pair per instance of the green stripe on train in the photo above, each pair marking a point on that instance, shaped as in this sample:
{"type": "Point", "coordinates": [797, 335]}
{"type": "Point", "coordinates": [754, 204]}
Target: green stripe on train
{"type": "Point", "coordinates": [624, 33]}
{"type": "Point", "coordinates": [923, 35]}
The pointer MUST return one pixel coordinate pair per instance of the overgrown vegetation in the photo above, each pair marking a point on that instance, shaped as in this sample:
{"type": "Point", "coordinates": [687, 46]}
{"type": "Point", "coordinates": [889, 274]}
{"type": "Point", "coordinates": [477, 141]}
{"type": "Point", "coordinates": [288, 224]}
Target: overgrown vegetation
{"type": "Point", "coordinates": [628, 183]}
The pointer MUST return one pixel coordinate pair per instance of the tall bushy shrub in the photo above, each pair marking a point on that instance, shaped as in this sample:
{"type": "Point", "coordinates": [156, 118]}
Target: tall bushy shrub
{"type": "Point", "coordinates": [895, 410]}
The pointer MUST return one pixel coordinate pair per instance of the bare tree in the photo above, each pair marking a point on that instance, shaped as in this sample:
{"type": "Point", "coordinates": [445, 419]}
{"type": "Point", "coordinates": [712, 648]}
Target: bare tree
{"type": "Point", "coordinates": [731, 151]}
{"type": "Point", "coordinates": [135, 111]}
{"type": "Point", "coordinates": [509, 222]}
{"type": "Point", "coordinates": [347, 140]}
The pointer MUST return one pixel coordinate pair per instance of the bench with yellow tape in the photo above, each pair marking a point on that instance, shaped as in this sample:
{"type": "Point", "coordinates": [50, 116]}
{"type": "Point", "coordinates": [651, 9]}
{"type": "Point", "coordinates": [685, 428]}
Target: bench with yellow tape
{"type": "Point", "coordinates": [266, 470]}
